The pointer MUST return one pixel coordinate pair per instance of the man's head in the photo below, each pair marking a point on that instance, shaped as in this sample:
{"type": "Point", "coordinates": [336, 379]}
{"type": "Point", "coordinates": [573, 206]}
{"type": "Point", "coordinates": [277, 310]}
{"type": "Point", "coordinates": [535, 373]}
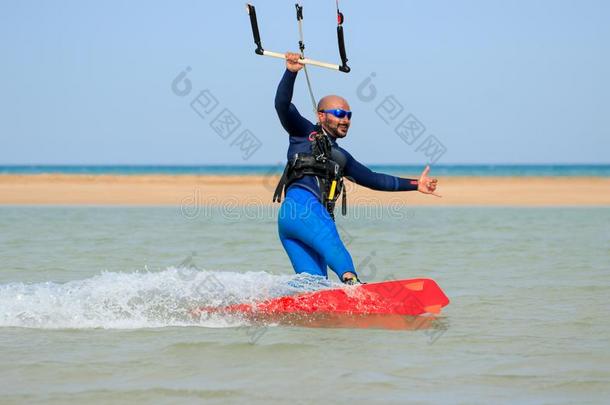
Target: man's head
{"type": "Point", "coordinates": [333, 125]}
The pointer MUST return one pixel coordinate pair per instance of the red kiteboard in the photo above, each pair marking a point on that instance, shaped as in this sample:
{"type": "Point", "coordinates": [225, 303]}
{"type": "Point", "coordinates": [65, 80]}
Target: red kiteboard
{"type": "Point", "coordinates": [399, 297]}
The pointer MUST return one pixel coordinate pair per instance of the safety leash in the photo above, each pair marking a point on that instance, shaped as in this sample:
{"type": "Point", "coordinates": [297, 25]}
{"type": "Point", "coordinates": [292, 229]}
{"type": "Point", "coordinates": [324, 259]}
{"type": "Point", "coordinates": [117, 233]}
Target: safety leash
{"type": "Point", "coordinates": [299, 10]}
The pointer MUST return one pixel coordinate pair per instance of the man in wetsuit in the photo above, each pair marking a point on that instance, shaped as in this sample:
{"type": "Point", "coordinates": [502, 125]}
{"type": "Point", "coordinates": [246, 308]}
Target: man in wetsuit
{"type": "Point", "coordinates": [306, 226]}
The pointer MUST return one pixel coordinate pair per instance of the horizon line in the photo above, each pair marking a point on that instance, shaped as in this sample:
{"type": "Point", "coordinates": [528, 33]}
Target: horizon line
{"type": "Point", "coordinates": [273, 164]}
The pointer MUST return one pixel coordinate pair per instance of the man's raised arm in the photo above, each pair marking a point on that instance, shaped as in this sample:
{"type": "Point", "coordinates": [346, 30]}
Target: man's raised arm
{"type": "Point", "coordinates": [292, 121]}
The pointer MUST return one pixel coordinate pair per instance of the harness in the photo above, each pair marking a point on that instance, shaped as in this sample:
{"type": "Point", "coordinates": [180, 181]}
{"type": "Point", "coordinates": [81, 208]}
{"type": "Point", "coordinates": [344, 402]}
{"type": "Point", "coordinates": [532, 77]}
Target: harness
{"type": "Point", "coordinates": [318, 163]}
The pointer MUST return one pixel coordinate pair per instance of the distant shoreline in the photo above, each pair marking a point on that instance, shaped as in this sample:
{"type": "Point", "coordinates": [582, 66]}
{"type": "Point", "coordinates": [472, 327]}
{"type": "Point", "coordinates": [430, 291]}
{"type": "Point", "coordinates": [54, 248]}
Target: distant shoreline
{"type": "Point", "coordinates": [482, 170]}
{"type": "Point", "coordinates": [255, 190]}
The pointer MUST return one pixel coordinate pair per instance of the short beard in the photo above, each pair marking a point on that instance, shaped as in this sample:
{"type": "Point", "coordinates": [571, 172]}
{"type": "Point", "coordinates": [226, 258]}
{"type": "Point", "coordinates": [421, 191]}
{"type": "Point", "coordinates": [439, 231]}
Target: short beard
{"type": "Point", "coordinates": [340, 135]}
{"type": "Point", "coordinates": [334, 132]}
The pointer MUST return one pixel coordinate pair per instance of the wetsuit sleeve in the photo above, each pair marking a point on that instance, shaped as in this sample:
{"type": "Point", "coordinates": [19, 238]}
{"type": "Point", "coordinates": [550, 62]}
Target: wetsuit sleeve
{"type": "Point", "coordinates": [364, 176]}
{"type": "Point", "coordinates": [292, 121]}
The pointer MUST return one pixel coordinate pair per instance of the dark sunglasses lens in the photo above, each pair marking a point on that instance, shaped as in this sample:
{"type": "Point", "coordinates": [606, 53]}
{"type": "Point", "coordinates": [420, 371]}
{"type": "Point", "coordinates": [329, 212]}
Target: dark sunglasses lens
{"type": "Point", "coordinates": [342, 114]}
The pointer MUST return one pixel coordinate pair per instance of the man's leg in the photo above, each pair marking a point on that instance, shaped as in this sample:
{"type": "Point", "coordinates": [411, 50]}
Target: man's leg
{"type": "Point", "coordinates": [302, 218]}
{"type": "Point", "coordinates": [320, 233]}
{"type": "Point", "coordinates": [303, 258]}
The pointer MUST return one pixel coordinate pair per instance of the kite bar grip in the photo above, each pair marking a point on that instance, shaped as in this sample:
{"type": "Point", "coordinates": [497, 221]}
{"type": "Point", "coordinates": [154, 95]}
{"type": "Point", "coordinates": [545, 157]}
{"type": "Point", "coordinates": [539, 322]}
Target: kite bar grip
{"type": "Point", "coordinates": [305, 61]}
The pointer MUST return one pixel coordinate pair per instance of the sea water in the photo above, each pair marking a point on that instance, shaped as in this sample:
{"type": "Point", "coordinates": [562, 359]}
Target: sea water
{"type": "Point", "coordinates": [502, 170]}
{"type": "Point", "coordinates": [95, 307]}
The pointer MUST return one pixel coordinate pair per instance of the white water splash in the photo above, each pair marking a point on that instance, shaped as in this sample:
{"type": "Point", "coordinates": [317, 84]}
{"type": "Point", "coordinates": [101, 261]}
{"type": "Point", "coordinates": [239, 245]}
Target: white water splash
{"type": "Point", "coordinates": [142, 299]}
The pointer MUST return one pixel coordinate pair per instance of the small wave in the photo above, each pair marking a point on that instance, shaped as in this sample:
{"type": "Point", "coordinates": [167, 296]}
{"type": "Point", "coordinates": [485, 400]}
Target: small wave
{"type": "Point", "coordinates": [113, 300]}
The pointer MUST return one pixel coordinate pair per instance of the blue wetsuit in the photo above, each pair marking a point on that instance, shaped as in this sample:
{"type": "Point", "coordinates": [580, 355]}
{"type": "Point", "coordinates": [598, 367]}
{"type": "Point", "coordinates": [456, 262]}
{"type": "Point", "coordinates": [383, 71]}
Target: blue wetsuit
{"type": "Point", "coordinates": [307, 231]}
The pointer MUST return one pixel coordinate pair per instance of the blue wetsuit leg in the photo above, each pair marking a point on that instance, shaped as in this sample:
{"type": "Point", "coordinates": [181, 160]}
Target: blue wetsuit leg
{"type": "Point", "coordinates": [303, 258]}
{"type": "Point", "coordinates": [310, 236]}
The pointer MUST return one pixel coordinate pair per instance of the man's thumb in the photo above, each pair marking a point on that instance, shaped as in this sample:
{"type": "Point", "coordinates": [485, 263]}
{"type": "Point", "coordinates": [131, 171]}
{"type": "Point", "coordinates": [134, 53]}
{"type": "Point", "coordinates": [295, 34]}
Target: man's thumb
{"type": "Point", "coordinates": [425, 172]}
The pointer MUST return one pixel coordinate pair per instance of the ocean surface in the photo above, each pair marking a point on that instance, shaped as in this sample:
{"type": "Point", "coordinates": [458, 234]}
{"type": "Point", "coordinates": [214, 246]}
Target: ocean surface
{"type": "Point", "coordinates": [95, 303]}
{"type": "Point", "coordinates": [600, 170]}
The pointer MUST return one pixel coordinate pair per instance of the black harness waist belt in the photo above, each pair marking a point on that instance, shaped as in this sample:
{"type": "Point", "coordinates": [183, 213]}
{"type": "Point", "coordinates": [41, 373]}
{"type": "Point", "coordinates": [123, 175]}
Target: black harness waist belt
{"type": "Point", "coordinates": [328, 173]}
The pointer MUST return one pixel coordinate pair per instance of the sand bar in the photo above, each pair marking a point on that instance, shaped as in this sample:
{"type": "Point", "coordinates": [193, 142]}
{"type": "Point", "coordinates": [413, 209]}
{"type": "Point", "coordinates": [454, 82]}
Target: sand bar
{"type": "Point", "coordinates": [175, 190]}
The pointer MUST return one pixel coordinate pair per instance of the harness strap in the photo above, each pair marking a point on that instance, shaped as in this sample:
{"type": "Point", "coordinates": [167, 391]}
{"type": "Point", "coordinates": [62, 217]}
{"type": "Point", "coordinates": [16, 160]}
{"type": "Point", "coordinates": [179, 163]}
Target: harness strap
{"type": "Point", "coordinates": [343, 200]}
{"type": "Point", "coordinates": [280, 188]}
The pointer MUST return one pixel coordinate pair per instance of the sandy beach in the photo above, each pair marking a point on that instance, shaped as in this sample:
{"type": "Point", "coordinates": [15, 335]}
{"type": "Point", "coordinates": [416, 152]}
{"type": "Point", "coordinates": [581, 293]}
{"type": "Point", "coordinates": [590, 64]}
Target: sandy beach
{"type": "Point", "coordinates": [175, 190]}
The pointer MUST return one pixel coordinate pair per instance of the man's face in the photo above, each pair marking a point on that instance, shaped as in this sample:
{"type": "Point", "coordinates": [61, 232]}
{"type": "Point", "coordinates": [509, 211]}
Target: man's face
{"type": "Point", "coordinates": [336, 127]}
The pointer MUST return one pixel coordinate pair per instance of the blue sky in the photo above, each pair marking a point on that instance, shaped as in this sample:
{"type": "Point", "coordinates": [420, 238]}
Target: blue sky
{"type": "Point", "coordinates": [86, 82]}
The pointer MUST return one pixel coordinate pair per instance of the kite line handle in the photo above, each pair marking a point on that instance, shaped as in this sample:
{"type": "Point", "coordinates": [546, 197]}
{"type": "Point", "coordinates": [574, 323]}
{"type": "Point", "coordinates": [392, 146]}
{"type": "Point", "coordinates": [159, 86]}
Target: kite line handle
{"type": "Point", "coordinates": [306, 61]}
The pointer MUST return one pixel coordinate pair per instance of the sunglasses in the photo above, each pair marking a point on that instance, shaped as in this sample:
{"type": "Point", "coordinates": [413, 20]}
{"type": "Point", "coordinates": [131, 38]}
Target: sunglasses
{"type": "Point", "coordinates": [339, 113]}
